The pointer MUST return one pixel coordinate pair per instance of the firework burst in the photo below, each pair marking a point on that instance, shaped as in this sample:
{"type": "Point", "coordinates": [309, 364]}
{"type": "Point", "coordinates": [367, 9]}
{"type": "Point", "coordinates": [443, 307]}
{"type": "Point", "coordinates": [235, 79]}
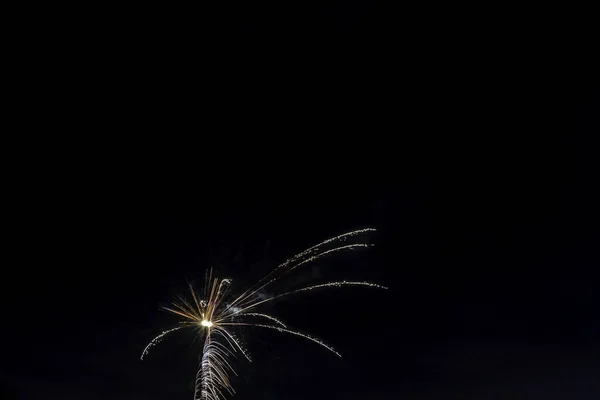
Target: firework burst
{"type": "Point", "coordinates": [215, 312]}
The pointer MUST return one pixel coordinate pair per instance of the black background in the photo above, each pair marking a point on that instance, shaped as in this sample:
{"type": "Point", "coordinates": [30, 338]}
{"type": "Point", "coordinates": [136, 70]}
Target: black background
{"type": "Point", "coordinates": [155, 142]}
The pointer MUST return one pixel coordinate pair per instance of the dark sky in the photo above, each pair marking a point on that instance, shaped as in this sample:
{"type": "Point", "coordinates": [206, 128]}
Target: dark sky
{"type": "Point", "coordinates": [172, 144]}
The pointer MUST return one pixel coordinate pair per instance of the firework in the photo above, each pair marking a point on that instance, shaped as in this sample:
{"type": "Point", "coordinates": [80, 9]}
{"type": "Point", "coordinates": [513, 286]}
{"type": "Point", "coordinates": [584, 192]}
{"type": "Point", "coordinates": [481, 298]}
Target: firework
{"type": "Point", "coordinates": [215, 312]}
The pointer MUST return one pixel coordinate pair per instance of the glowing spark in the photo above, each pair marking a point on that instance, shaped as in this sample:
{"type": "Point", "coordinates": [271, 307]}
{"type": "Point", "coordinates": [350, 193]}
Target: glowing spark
{"type": "Point", "coordinates": [313, 249]}
{"type": "Point", "coordinates": [278, 322]}
{"type": "Point", "coordinates": [305, 336]}
{"type": "Point", "coordinates": [306, 289]}
{"type": "Point", "coordinates": [157, 340]}
{"type": "Point", "coordinates": [219, 314]}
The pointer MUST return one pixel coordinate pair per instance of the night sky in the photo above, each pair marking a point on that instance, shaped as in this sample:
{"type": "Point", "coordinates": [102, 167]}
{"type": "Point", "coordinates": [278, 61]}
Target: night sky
{"type": "Point", "coordinates": [471, 147]}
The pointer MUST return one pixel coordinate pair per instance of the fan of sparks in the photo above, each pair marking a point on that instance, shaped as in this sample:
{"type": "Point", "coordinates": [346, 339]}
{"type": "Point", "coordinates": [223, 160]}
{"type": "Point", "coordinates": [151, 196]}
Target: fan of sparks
{"type": "Point", "coordinates": [216, 312]}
